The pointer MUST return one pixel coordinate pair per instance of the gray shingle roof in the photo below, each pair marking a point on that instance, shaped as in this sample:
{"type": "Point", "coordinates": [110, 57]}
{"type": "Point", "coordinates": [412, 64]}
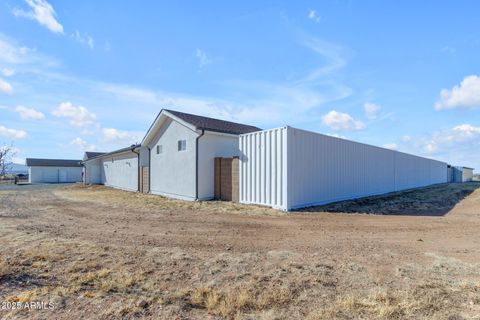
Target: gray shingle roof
{"type": "Point", "coordinates": [31, 162]}
{"type": "Point", "coordinates": [211, 124]}
{"type": "Point", "coordinates": [103, 154]}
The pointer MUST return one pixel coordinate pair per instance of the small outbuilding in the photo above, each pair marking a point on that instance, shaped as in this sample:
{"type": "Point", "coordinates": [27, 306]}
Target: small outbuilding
{"type": "Point", "coordinates": [117, 169]}
{"type": "Point", "coordinates": [462, 174]}
{"type": "Point", "coordinates": [54, 170]}
{"type": "Point", "coordinates": [179, 150]}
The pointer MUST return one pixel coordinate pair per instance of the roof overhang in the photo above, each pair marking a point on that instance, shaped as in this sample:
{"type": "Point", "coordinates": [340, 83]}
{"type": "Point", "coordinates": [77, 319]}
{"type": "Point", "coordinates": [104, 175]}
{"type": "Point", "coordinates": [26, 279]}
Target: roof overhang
{"type": "Point", "coordinates": [161, 118]}
{"type": "Point", "coordinates": [131, 149]}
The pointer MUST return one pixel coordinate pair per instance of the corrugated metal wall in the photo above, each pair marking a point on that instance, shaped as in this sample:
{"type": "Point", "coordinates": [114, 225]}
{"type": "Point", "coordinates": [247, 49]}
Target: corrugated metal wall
{"type": "Point", "coordinates": [263, 168]}
{"type": "Point", "coordinates": [317, 169]}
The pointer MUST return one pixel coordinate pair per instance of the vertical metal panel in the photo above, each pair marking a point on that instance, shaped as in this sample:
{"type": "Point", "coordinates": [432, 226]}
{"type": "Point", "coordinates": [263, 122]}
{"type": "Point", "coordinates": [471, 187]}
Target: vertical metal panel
{"type": "Point", "coordinates": [327, 169]}
{"type": "Point", "coordinates": [262, 169]}
{"type": "Point", "coordinates": [289, 168]}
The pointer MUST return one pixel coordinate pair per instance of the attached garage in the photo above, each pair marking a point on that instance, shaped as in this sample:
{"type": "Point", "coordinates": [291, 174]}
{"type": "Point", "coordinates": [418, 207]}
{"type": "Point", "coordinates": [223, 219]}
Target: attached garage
{"type": "Point", "coordinates": [288, 168]}
{"type": "Point", "coordinates": [54, 170]}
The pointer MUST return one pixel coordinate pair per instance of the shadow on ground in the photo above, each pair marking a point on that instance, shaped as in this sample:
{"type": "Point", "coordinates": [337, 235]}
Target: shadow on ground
{"type": "Point", "coordinates": [437, 200]}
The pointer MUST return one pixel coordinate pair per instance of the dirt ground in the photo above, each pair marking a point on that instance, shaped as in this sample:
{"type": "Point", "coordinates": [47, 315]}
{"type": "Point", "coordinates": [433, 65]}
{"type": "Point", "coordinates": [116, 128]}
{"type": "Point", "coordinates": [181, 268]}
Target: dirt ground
{"type": "Point", "coordinates": [95, 252]}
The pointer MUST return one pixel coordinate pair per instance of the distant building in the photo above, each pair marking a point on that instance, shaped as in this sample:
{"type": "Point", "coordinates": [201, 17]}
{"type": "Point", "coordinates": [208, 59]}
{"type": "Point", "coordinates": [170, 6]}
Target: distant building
{"type": "Point", "coordinates": [462, 174]}
{"type": "Point", "coordinates": [54, 170]}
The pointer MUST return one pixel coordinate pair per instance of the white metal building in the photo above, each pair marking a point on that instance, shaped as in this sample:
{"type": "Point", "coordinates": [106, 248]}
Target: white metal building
{"type": "Point", "coordinates": [289, 168]}
{"type": "Point", "coordinates": [179, 149]}
{"type": "Point", "coordinates": [54, 170]}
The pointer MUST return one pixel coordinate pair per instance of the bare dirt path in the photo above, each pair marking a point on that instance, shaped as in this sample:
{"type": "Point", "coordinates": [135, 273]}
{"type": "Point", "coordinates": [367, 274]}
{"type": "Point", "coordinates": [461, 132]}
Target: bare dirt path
{"type": "Point", "coordinates": [182, 259]}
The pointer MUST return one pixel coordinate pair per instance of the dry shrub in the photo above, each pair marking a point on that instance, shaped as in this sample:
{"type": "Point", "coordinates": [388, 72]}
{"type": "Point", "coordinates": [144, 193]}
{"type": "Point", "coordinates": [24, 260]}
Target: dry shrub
{"type": "Point", "coordinates": [424, 301]}
{"type": "Point", "coordinates": [5, 269]}
{"type": "Point", "coordinates": [246, 297]}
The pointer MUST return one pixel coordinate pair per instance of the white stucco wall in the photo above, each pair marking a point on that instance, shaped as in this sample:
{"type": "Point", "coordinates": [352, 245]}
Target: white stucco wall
{"type": "Point", "coordinates": [172, 172]}
{"type": "Point", "coordinates": [213, 145]}
{"type": "Point", "coordinates": [55, 174]}
{"type": "Point", "coordinates": [93, 171]}
{"type": "Point", "coordinates": [121, 171]}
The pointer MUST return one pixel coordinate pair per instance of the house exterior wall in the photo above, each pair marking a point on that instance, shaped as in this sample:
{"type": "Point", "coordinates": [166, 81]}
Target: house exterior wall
{"type": "Point", "coordinates": [120, 171]}
{"type": "Point", "coordinates": [172, 172]}
{"type": "Point", "coordinates": [289, 168]}
{"type": "Point", "coordinates": [54, 174]}
{"type": "Point", "coordinates": [210, 146]}
{"type": "Point", "coordinates": [93, 171]}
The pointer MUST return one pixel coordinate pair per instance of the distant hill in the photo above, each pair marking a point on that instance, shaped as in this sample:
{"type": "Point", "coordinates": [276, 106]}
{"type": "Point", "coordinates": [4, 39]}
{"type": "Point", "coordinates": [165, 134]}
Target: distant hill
{"type": "Point", "coordinates": [18, 168]}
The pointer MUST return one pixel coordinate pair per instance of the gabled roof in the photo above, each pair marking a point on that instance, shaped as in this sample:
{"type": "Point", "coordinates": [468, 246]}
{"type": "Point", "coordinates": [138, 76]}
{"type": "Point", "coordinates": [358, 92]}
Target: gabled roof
{"type": "Point", "coordinates": [211, 124]}
{"type": "Point", "coordinates": [31, 162]}
{"type": "Point", "coordinates": [196, 122]}
{"type": "Point", "coordinates": [104, 154]}
{"type": "Point", "coordinates": [90, 154]}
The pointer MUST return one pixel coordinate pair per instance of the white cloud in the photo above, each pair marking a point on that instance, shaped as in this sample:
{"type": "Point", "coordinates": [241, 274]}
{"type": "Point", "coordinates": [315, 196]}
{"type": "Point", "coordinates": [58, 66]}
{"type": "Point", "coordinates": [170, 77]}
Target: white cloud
{"type": "Point", "coordinates": [12, 133]}
{"type": "Point", "coordinates": [24, 58]}
{"type": "Point", "coordinates": [119, 136]}
{"type": "Point", "coordinates": [5, 86]}
{"type": "Point", "coordinates": [371, 110]}
{"type": "Point", "coordinates": [459, 145]}
{"type": "Point", "coordinates": [7, 72]}
{"type": "Point", "coordinates": [455, 137]}
{"type": "Point", "coordinates": [406, 138]}
{"type": "Point", "coordinates": [10, 53]}
{"type": "Point", "coordinates": [84, 39]}
{"type": "Point", "coordinates": [83, 145]}
{"type": "Point", "coordinates": [336, 135]}
{"type": "Point", "coordinates": [79, 116]}
{"type": "Point", "coordinates": [43, 13]}
{"type": "Point", "coordinates": [29, 113]}
{"type": "Point", "coordinates": [341, 121]}
{"type": "Point", "coordinates": [465, 95]}
{"type": "Point", "coordinates": [312, 15]}
{"type": "Point", "coordinates": [391, 146]}
{"type": "Point", "coordinates": [130, 93]}
{"type": "Point", "coordinates": [333, 55]}
{"type": "Point", "coordinates": [203, 60]}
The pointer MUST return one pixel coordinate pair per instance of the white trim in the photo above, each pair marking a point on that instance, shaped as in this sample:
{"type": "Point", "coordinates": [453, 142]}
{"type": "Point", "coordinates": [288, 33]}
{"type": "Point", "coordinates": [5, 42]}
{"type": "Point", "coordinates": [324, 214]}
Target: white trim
{"type": "Point", "coordinates": [172, 195]}
{"type": "Point", "coordinates": [222, 133]}
{"type": "Point", "coordinates": [183, 122]}
{"type": "Point", "coordinates": [157, 125]}
{"type": "Point", "coordinates": [119, 188]}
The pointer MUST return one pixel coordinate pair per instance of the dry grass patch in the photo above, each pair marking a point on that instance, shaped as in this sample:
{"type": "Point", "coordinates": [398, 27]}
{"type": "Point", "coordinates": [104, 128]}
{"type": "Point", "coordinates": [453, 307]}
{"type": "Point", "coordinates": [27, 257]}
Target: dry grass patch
{"type": "Point", "coordinates": [427, 301]}
{"type": "Point", "coordinates": [433, 200]}
{"type": "Point", "coordinates": [248, 297]}
{"type": "Point", "coordinates": [139, 201]}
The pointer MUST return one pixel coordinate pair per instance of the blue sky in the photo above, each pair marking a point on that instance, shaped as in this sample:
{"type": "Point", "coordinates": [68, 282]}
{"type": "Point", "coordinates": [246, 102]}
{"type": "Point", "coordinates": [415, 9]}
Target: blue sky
{"type": "Point", "coordinates": [78, 75]}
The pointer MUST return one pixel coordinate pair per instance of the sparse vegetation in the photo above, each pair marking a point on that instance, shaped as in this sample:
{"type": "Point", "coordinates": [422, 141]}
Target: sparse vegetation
{"type": "Point", "coordinates": [97, 257]}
